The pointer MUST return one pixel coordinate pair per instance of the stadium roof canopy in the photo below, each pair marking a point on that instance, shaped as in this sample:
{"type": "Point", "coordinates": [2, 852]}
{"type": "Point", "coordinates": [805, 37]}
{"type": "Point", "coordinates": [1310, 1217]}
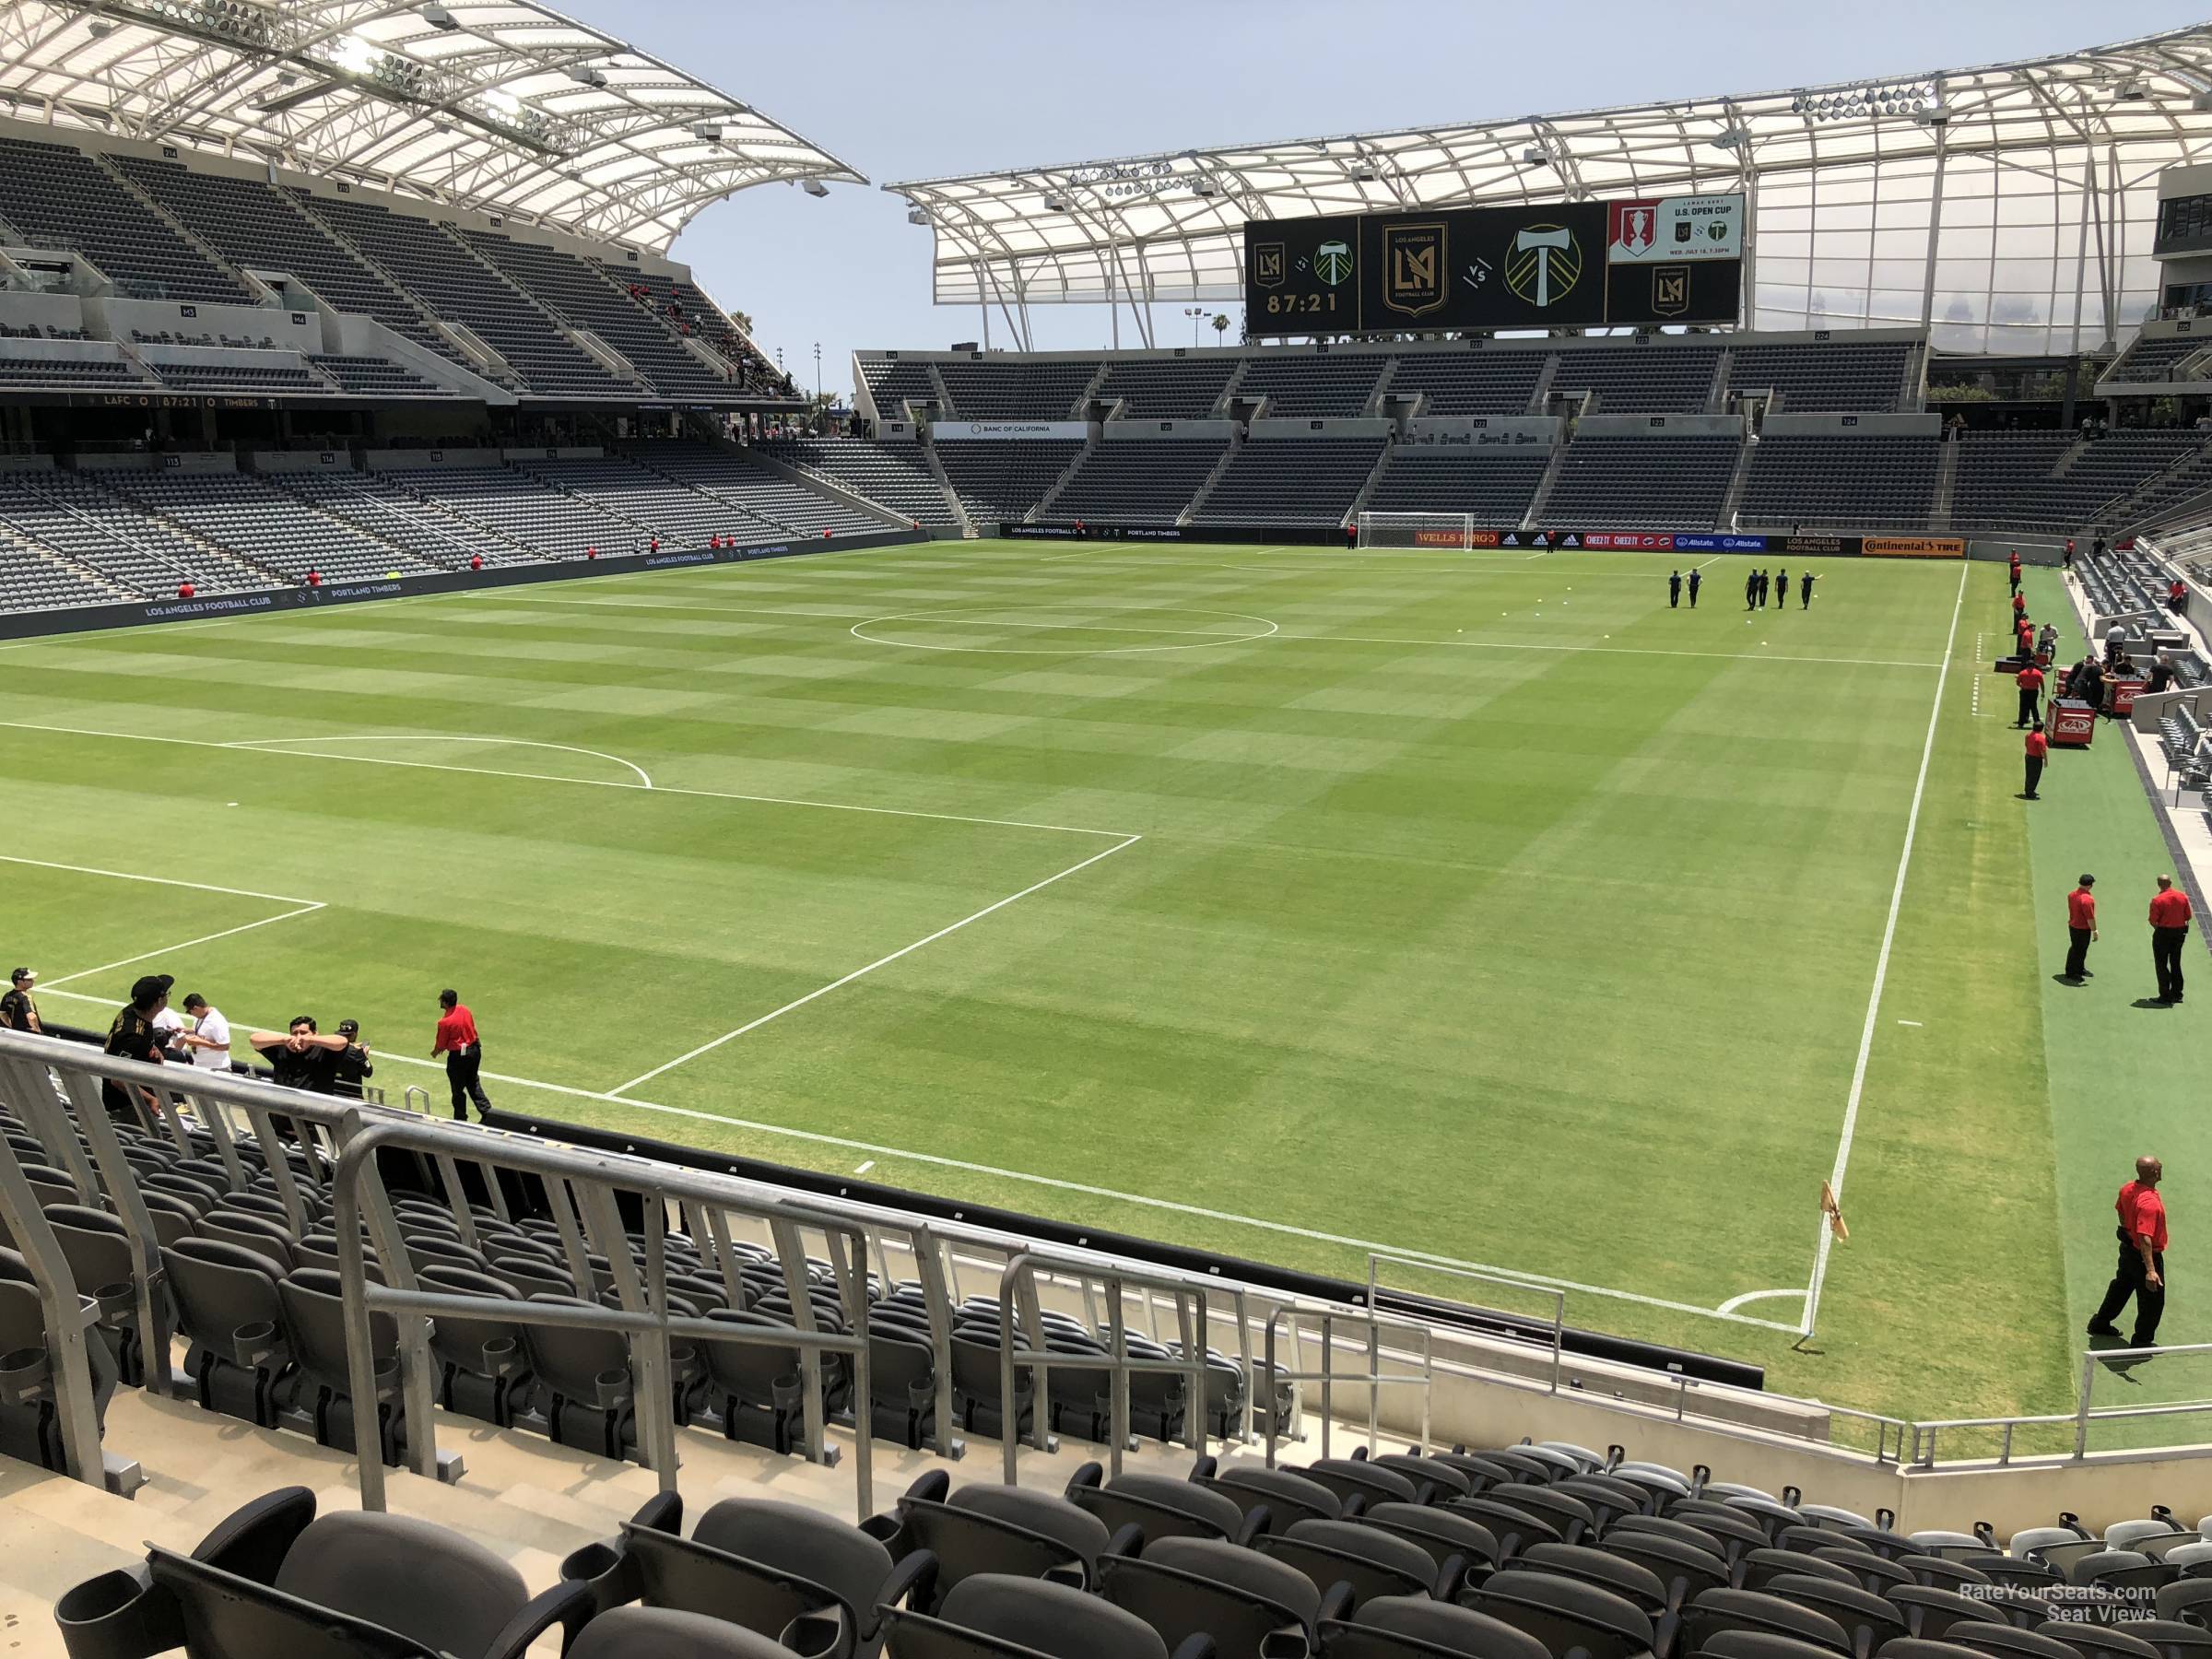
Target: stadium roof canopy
{"type": "Point", "coordinates": [1983, 201]}
{"type": "Point", "coordinates": [495, 104]}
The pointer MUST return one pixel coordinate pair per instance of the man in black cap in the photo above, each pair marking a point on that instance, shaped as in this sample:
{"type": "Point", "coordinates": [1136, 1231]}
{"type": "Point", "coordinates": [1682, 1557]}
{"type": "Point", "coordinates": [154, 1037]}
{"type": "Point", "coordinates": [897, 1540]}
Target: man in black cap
{"type": "Point", "coordinates": [18, 1012]}
{"type": "Point", "coordinates": [133, 1036]}
{"type": "Point", "coordinates": [299, 1056]}
{"type": "Point", "coordinates": [353, 1061]}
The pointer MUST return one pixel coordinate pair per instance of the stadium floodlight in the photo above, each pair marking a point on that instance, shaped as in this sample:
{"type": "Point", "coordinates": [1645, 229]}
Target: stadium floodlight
{"type": "Point", "coordinates": [355, 54]}
{"type": "Point", "coordinates": [814, 187]}
{"type": "Point", "coordinates": [438, 18]}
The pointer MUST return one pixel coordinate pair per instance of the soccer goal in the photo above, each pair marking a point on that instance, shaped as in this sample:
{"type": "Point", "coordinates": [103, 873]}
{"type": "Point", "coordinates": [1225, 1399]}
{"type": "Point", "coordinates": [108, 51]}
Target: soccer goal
{"type": "Point", "coordinates": [1417, 530]}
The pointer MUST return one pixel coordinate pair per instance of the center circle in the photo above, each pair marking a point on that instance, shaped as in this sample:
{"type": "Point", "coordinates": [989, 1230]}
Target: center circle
{"type": "Point", "coordinates": [1082, 629]}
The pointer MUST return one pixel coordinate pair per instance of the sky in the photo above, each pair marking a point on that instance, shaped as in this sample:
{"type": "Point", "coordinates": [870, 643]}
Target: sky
{"type": "Point", "coordinates": [921, 89]}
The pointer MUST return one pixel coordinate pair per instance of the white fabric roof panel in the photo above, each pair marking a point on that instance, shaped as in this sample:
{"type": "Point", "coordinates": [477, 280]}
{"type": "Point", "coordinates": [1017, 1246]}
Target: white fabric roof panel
{"type": "Point", "coordinates": [500, 105]}
{"type": "Point", "coordinates": [2038, 239]}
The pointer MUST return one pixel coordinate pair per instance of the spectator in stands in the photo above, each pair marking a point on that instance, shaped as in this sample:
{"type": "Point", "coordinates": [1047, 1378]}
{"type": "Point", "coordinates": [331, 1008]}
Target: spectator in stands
{"type": "Point", "coordinates": [169, 1029]}
{"type": "Point", "coordinates": [18, 1012]}
{"type": "Point", "coordinates": [2030, 681]}
{"type": "Point", "coordinates": [300, 1056]}
{"type": "Point", "coordinates": [2038, 747]}
{"type": "Point", "coordinates": [2081, 929]}
{"type": "Point", "coordinates": [2162, 675]}
{"type": "Point", "coordinates": [1674, 590]}
{"type": "Point", "coordinates": [2097, 549]}
{"type": "Point", "coordinates": [185, 590]}
{"type": "Point", "coordinates": [314, 576]}
{"type": "Point", "coordinates": [131, 1037]}
{"type": "Point", "coordinates": [2177, 595]}
{"type": "Point", "coordinates": [207, 1044]}
{"type": "Point", "coordinates": [2066, 560]}
{"type": "Point", "coordinates": [2169, 917]}
{"type": "Point", "coordinates": [353, 1067]}
{"type": "Point", "coordinates": [1697, 581]}
{"type": "Point", "coordinates": [464, 1052]}
{"type": "Point", "coordinates": [476, 561]}
{"type": "Point", "coordinates": [1804, 591]}
{"type": "Point", "coordinates": [2142, 1270]}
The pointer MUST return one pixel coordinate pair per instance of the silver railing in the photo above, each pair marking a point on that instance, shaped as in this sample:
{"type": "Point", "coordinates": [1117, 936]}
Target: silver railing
{"type": "Point", "coordinates": [590, 1181]}
{"type": "Point", "coordinates": [303, 1150]}
{"type": "Point", "coordinates": [1370, 1324]}
{"type": "Point", "coordinates": [1018, 1292]}
{"type": "Point", "coordinates": [1557, 1299]}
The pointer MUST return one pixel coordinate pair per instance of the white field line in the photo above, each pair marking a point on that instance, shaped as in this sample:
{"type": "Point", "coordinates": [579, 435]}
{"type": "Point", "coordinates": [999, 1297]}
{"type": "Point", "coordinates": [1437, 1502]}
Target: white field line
{"type": "Point", "coordinates": [489, 771]}
{"type": "Point", "coordinates": [1730, 656]}
{"type": "Point", "coordinates": [1734, 1302]}
{"type": "Point", "coordinates": [285, 746]}
{"type": "Point", "coordinates": [146, 956]}
{"type": "Point", "coordinates": [197, 886]}
{"type": "Point", "coordinates": [1084, 1189]}
{"type": "Point", "coordinates": [1881, 970]}
{"type": "Point", "coordinates": [904, 950]}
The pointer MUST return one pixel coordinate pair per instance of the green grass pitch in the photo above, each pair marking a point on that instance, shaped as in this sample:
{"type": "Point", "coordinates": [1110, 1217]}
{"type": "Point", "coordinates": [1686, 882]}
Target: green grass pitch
{"type": "Point", "coordinates": [1287, 901]}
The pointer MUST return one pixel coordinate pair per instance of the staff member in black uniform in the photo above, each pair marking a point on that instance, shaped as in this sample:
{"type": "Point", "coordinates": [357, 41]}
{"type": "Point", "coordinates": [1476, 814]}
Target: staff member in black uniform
{"type": "Point", "coordinates": [1674, 590]}
{"type": "Point", "coordinates": [18, 1012]}
{"type": "Point", "coordinates": [353, 1065]}
{"type": "Point", "coordinates": [132, 1036]}
{"type": "Point", "coordinates": [1697, 581]}
{"type": "Point", "coordinates": [1750, 590]}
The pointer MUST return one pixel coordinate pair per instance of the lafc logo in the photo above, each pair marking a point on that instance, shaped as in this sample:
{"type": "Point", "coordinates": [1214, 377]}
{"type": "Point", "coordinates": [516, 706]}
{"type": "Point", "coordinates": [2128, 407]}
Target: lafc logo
{"type": "Point", "coordinates": [1543, 265]}
{"type": "Point", "coordinates": [1670, 290]}
{"type": "Point", "coordinates": [1413, 268]}
{"type": "Point", "coordinates": [1267, 264]}
{"type": "Point", "coordinates": [1333, 262]}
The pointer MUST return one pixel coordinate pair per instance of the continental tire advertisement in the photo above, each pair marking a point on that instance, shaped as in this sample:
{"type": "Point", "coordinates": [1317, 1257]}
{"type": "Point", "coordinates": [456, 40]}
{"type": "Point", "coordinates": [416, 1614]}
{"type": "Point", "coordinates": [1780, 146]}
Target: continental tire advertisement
{"type": "Point", "coordinates": [1912, 547]}
{"type": "Point", "coordinates": [1548, 264]}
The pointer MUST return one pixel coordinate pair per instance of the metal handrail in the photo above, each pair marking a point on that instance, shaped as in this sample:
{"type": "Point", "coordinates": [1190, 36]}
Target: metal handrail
{"type": "Point", "coordinates": [1559, 1298]}
{"type": "Point", "coordinates": [1019, 1276]}
{"type": "Point", "coordinates": [643, 1311]}
{"type": "Point", "coordinates": [1375, 1379]}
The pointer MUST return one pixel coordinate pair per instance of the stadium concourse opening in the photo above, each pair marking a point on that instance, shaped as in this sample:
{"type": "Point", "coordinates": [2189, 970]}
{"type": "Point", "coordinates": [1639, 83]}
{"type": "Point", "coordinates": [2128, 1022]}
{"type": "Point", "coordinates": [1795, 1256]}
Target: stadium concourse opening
{"type": "Point", "coordinates": [1392, 987]}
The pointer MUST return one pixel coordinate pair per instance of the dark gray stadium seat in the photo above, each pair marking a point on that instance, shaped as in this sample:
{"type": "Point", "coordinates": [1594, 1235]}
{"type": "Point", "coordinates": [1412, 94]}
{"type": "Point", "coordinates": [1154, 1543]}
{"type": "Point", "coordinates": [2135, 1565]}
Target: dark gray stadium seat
{"type": "Point", "coordinates": [1571, 1618]}
{"type": "Point", "coordinates": [1397, 1626]}
{"type": "Point", "coordinates": [1184, 1586]}
{"type": "Point", "coordinates": [657, 1633]}
{"type": "Point", "coordinates": [1158, 1505]}
{"type": "Point", "coordinates": [228, 1308]}
{"type": "Point", "coordinates": [1374, 1563]}
{"type": "Point", "coordinates": [993, 1616]}
{"type": "Point", "coordinates": [1717, 1610]}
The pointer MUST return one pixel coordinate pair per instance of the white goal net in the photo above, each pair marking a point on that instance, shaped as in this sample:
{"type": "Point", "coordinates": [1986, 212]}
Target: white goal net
{"type": "Point", "coordinates": [1417, 530]}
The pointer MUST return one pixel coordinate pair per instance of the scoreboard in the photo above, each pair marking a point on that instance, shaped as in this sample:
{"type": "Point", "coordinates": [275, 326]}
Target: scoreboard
{"type": "Point", "coordinates": [1548, 264]}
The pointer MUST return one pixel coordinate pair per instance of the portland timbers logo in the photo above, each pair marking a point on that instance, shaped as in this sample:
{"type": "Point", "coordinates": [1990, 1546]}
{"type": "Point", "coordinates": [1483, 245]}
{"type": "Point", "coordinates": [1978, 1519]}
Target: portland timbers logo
{"type": "Point", "coordinates": [1333, 262]}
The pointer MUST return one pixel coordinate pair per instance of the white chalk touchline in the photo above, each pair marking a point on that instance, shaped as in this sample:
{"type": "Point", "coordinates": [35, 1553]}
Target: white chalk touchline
{"type": "Point", "coordinates": [493, 771]}
{"type": "Point", "coordinates": [885, 961]}
{"type": "Point", "coordinates": [1881, 968]}
{"type": "Point", "coordinates": [285, 746]}
{"type": "Point", "coordinates": [1728, 656]}
{"type": "Point", "coordinates": [1086, 1189]}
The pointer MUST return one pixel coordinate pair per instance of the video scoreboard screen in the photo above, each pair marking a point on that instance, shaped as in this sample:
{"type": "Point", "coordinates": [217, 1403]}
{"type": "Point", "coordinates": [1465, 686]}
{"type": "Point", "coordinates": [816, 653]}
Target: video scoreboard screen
{"type": "Point", "coordinates": [1552, 264]}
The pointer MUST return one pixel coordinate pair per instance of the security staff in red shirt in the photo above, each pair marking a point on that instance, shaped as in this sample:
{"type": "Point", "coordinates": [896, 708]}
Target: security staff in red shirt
{"type": "Point", "coordinates": [2019, 604]}
{"type": "Point", "coordinates": [2039, 746]}
{"type": "Point", "coordinates": [2142, 1270]}
{"type": "Point", "coordinates": [2031, 682]}
{"type": "Point", "coordinates": [2012, 570]}
{"type": "Point", "coordinates": [457, 1041]}
{"type": "Point", "coordinates": [2170, 917]}
{"type": "Point", "coordinates": [2081, 930]}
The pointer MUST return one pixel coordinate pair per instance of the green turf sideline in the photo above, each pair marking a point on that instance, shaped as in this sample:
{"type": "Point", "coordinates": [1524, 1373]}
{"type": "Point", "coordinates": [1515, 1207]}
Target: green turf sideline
{"type": "Point", "coordinates": [2123, 1078]}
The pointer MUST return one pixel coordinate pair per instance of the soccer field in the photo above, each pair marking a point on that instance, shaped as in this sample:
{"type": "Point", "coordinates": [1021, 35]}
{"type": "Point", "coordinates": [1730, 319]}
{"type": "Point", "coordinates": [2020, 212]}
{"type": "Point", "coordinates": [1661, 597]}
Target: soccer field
{"type": "Point", "coordinates": [1476, 907]}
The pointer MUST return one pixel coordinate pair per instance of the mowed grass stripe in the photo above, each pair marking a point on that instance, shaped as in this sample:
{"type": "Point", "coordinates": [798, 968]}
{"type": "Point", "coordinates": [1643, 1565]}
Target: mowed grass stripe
{"type": "Point", "coordinates": [1475, 922]}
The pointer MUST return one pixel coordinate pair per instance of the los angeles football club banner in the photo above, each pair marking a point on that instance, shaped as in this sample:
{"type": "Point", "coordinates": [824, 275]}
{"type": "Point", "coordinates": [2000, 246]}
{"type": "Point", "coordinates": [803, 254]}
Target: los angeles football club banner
{"type": "Point", "coordinates": [1670, 230]}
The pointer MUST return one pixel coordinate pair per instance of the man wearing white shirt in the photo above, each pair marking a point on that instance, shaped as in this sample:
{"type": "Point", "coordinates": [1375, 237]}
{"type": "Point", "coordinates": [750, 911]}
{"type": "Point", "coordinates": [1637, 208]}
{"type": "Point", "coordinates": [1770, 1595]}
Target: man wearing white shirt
{"type": "Point", "coordinates": [209, 1039]}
